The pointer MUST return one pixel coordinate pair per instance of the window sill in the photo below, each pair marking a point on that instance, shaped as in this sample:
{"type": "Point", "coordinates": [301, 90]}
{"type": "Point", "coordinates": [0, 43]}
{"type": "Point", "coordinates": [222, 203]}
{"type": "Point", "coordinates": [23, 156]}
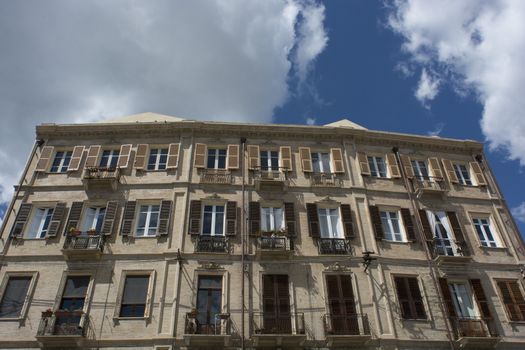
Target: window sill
{"type": "Point", "coordinates": [395, 242]}
{"type": "Point", "coordinates": [33, 238]}
{"type": "Point", "coordinates": [492, 248]}
{"type": "Point", "coordinates": [422, 320]}
{"type": "Point", "coordinates": [122, 318]}
{"type": "Point", "coordinates": [141, 237]}
{"type": "Point", "coordinates": [11, 319]}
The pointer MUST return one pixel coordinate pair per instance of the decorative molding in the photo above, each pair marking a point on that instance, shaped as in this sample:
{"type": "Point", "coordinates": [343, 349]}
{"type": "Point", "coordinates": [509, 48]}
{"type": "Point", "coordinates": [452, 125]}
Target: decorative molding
{"type": "Point", "coordinates": [210, 266]}
{"type": "Point", "coordinates": [337, 267]}
{"type": "Point", "coordinates": [328, 200]}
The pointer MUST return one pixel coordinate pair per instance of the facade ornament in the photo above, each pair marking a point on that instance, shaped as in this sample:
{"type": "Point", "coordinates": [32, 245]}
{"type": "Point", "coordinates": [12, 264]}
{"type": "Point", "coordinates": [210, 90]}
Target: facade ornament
{"type": "Point", "coordinates": [210, 266]}
{"type": "Point", "coordinates": [337, 267]}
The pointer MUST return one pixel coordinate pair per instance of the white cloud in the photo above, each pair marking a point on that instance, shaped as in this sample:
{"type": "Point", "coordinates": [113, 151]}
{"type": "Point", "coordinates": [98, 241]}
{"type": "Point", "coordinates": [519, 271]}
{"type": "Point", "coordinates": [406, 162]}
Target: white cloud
{"type": "Point", "coordinates": [519, 212]}
{"type": "Point", "coordinates": [438, 128]}
{"type": "Point", "coordinates": [427, 89]}
{"type": "Point", "coordinates": [478, 46]}
{"type": "Point", "coordinates": [310, 121]}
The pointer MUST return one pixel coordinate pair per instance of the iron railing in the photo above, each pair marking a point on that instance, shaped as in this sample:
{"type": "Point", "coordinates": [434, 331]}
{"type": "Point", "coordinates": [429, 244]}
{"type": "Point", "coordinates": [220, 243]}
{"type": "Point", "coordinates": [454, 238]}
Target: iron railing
{"type": "Point", "coordinates": [280, 323]}
{"type": "Point", "coordinates": [101, 173]}
{"type": "Point", "coordinates": [271, 174]}
{"type": "Point", "coordinates": [90, 242]}
{"type": "Point", "coordinates": [473, 327]}
{"type": "Point", "coordinates": [333, 246]}
{"type": "Point", "coordinates": [211, 244]}
{"type": "Point", "coordinates": [273, 243]}
{"type": "Point", "coordinates": [219, 325]}
{"type": "Point", "coordinates": [63, 323]}
{"type": "Point", "coordinates": [448, 247]}
{"type": "Point", "coordinates": [429, 183]}
{"type": "Point", "coordinates": [215, 176]}
{"type": "Point", "coordinates": [350, 324]}
{"type": "Point", "coordinates": [325, 180]}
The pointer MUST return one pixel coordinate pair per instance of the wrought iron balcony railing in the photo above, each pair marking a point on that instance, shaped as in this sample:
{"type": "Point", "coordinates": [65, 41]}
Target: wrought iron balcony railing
{"type": "Point", "coordinates": [325, 180]}
{"type": "Point", "coordinates": [63, 323]}
{"type": "Point", "coordinates": [101, 173]}
{"type": "Point", "coordinates": [89, 242]}
{"type": "Point", "coordinates": [215, 176]}
{"type": "Point", "coordinates": [274, 243]}
{"type": "Point", "coordinates": [473, 327]}
{"type": "Point", "coordinates": [220, 325]}
{"type": "Point", "coordinates": [333, 246]}
{"type": "Point", "coordinates": [350, 324]}
{"type": "Point", "coordinates": [270, 174]}
{"type": "Point", "coordinates": [429, 183]}
{"type": "Point", "coordinates": [447, 247]}
{"type": "Point", "coordinates": [211, 244]}
{"type": "Point", "coordinates": [281, 323]}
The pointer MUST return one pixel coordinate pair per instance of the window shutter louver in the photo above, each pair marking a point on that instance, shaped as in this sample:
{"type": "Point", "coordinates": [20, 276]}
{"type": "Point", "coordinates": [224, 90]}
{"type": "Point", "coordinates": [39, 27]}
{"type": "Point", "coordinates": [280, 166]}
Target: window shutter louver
{"type": "Point", "coordinates": [407, 165]}
{"type": "Point", "coordinates": [92, 156]}
{"type": "Point", "coordinates": [140, 156]}
{"type": "Point", "coordinates": [164, 218]}
{"type": "Point", "coordinates": [409, 224]}
{"type": "Point", "coordinates": [124, 156]}
{"type": "Point", "coordinates": [337, 160]}
{"type": "Point", "coordinates": [427, 230]}
{"type": "Point", "coordinates": [512, 299]}
{"type": "Point", "coordinates": [449, 170]}
{"type": "Point", "coordinates": [255, 218]}
{"type": "Point", "coordinates": [233, 157]}
{"type": "Point", "coordinates": [392, 165]}
{"type": "Point", "coordinates": [435, 168]}
{"type": "Point", "coordinates": [306, 159]}
{"type": "Point", "coordinates": [128, 218]}
{"type": "Point", "coordinates": [21, 219]}
{"type": "Point", "coordinates": [313, 219]}
{"type": "Point", "coordinates": [456, 227]}
{"type": "Point", "coordinates": [348, 222]}
{"type": "Point", "coordinates": [289, 217]}
{"type": "Point", "coordinates": [231, 218]}
{"type": "Point", "coordinates": [75, 213]}
{"type": "Point", "coordinates": [76, 158]}
{"type": "Point", "coordinates": [409, 297]}
{"type": "Point", "coordinates": [200, 155]}
{"type": "Point", "coordinates": [481, 299]}
{"type": "Point", "coordinates": [45, 157]}
{"type": "Point", "coordinates": [173, 156]}
{"type": "Point", "coordinates": [376, 222]}
{"type": "Point", "coordinates": [253, 157]}
{"type": "Point", "coordinates": [363, 164]}
{"type": "Point", "coordinates": [286, 158]}
{"type": "Point", "coordinates": [108, 225]}
{"type": "Point", "coordinates": [447, 297]}
{"type": "Point", "coordinates": [404, 297]}
{"type": "Point", "coordinates": [478, 173]}
{"type": "Point", "coordinates": [415, 293]}
{"type": "Point", "coordinates": [56, 219]}
{"type": "Point", "coordinates": [195, 217]}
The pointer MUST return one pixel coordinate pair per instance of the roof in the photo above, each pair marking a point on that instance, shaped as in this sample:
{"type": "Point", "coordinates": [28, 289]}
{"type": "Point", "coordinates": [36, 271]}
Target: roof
{"type": "Point", "coordinates": [147, 117]}
{"type": "Point", "coordinates": [345, 123]}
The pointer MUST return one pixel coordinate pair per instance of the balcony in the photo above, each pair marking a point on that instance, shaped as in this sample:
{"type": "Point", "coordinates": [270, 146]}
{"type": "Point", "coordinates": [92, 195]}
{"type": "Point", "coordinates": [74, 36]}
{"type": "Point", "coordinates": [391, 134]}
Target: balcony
{"type": "Point", "coordinates": [325, 180]}
{"type": "Point", "coordinates": [430, 185]}
{"type": "Point", "coordinates": [62, 328]}
{"type": "Point", "coordinates": [217, 334]}
{"type": "Point", "coordinates": [474, 332]}
{"type": "Point", "coordinates": [333, 246]}
{"type": "Point", "coordinates": [447, 254]}
{"type": "Point", "coordinates": [351, 330]}
{"type": "Point", "coordinates": [282, 330]}
{"type": "Point", "coordinates": [103, 177]}
{"type": "Point", "coordinates": [83, 247]}
{"type": "Point", "coordinates": [270, 179]}
{"type": "Point", "coordinates": [274, 247]}
{"type": "Point", "coordinates": [211, 244]}
{"type": "Point", "coordinates": [215, 176]}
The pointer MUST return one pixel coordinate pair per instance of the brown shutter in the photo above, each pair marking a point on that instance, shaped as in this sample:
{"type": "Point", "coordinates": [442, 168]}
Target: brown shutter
{"type": "Point", "coordinates": [45, 157]}
{"type": "Point", "coordinates": [124, 155]}
{"type": "Point", "coordinates": [449, 170]}
{"type": "Point", "coordinates": [140, 156]}
{"type": "Point", "coordinates": [76, 157]}
{"type": "Point", "coordinates": [56, 219]}
{"type": "Point", "coordinates": [92, 156]}
{"type": "Point", "coordinates": [195, 217]}
{"type": "Point", "coordinates": [173, 156]}
{"type": "Point", "coordinates": [410, 299]}
{"type": "Point", "coordinates": [376, 222]}
{"type": "Point", "coordinates": [363, 163]}
{"type": "Point", "coordinates": [403, 297]}
{"type": "Point", "coordinates": [75, 213]}
{"type": "Point", "coordinates": [233, 156]}
{"type": "Point", "coordinates": [313, 219]}
{"type": "Point", "coordinates": [435, 168]}
{"type": "Point", "coordinates": [513, 300]}
{"type": "Point", "coordinates": [164, 217]}
{"type": "Point", "coordinates": [200, 155]}
{"type": "Point", "coordinates": [417, 300]}
{"type": "Point", "coordinates": [108, 225]}
{"type": "Point", "coordinates": [253, 157]}
{"type": "Point", "coordinates": [447, 297]}
{"type": "Point", "coordinates": [231, 218]}
{"type": "Point", "coordinates": [481, 299]}
{"type": "Point", "coordinates": [478, 173]}
{"type": "Point", "coordinates": [289, 217]}
{"type": "Point", "coordinates": [286, 158]}
{"type": "Point", "coordinates": [255, 218]}
{"type": "Point", "coordinates": [348, 222]}
{"type": "Point", "coordinates": [392, 165]}
{"type": "Point", "coordinates": [456, 227]}
{"type": "Point", "coordinates": [21, 219]}
{"type": "Point", "coordinates": [128, 218]}
{"type": "Point", "coordinates": [337, 160]}
{"type": "Point", "coordinates": [306, 159]}
{"type": "Point", "coordinates": [427, 230]}
{"type": "Point", "coordinates": [407, 165]}
{"type": "Point", "coordinates": [409, 224]}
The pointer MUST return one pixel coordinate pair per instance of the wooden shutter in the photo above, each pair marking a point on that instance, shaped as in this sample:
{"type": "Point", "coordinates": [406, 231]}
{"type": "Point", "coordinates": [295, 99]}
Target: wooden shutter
{"type": "Point", "coordinates": [76, 157]}
{"type": "Point", "coordinates": [73, 221]}
{"type": "Point", "coordinates": [231, 218]}
{"type": "Point", "coordinates": [128, 218]}
{"type": "Point", "coordinates": [45, 158]}
{"type": "Point", "coordinates": [341, 304]}
{"type": "Point", "coordinates": [435, 168]}
{"type": "Point", "coordinates": [164, 217]}
{"type": "Point", "coordinates": [195, 217]}
{"type": "Point", "coordinates": [233, 157]}
{"type": "Point", "coordinates": [253, 157]}
{"type": "Point", "coordinates": [449, 170]}
{"type": "Point", "coordinates": [427, 230]}
{"type": "Point", "coordinates": [306, 159]}
{"type": "Point", "coordinates": [276, 303]}
{"type": "Point", "coordinates": [200, 155]}
{"type": "Point", "coordinates": [173, 156]}
{"type": "Point", "coordinates": [337, 160]}
{"type": "Point", "coordinates": [376, 222]}
{"type": "Point", "coordinates": [141, 155]}
{"type": "Point", "coordinates": [481, 299]}
{"type": "Point", "coordinates": [289, 217]}
{"type": "Point", "coordinates": [409, 224]}
{"type": "Point", "coordinates": [313, 220]}
{"type": "Point", "coordinates": [409, 297]}
{"type": "Point", "coordinates": [447, 297]}
{"type": "Point", "coordinates": [124, 155]}
{"type": "Point", "coordinates": [478, 173]}
{"type": "Point", "coordinates": [456, 227]}
{"type": "Point", "coordinates": [92, 156]}
{"type": "Point", "coordinates": [56, 219]}
{"type": "Point", "coordinates": [512, 299]}
{"type": "Point", "coordinates": [363, 163]}
{"type": "Point", "coordinates": [108, 225]}
{"type": "Point", "coordinates": [286, 158]}
{"type": "Point", "coordinates": [149, 295]}
{"type": "Point", "coordinates": [348, 222]}
{"type": "Point", "coordinates": [254, 218]}
{"type": "Point", "coordinates": [407, 165]}
{"type": "Point", "coordinates": [21, 219]}
{"type": "Point", "coordinates": [392, 165]}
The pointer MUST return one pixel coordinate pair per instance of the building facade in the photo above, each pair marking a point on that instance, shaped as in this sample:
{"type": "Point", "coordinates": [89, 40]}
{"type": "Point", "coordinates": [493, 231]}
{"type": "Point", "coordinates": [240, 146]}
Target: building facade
{"type": "Point", "coordinates": [154, 232]}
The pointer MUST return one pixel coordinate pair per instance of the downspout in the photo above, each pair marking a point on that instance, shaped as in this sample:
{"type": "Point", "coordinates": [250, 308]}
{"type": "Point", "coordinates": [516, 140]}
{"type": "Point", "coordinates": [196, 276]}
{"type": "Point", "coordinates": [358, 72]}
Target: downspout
{"type": "Point", "coordinates": [243, 233]}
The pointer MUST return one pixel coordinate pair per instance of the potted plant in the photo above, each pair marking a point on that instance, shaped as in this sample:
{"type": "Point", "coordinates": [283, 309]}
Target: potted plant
{"type": "Point", "coordinates": [47, 313]}
{"type": "Point", "coordinates": [73, 231]}
{"type": "Point", "coordinates": [92, 232]}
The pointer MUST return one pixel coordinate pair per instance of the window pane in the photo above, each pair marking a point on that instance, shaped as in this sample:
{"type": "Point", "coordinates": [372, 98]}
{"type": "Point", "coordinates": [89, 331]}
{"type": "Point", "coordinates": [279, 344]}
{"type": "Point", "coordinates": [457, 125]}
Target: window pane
{"type": "Point", "coordinates": [210, 282]}
{"type": "Point", "coordinates": [316, 163]}
{"type": "Point", "coordinates": [47, 220]}
{"type": "Point", "coordinates": [222, 159]}
{"type": "Point", "coordinates": [325, 159]}
{"type": "Point", "coordinates": [38, 216]}
{"type": "Point", "coordinates": [206, 224]}
{"type": "Point", "coordinates": [100, 219]}
{"type": "Point", "coordinates": [105, 158]}
{"type": "Point", "coordinates": [67, 159]}
{"type": "Point", "coordinates": [114, 159]}
{"type": "Point", "coordinates": [14, 296]}
{"type": "Point", "coordinates": [323, 219]}
{"type": "Point", "coordinates": [89, 218]}
{"type": "Point", "coordinates": [76, 286]}
{"type": "Point", "coordinates": [135, 289]}
{"type": "Point", "coordinates": [278, 218]}
{"type": "Point", "coordinates": [219, 220]}
{"type": "Point", "coordinates": [211, 158]}
{"type": "Point", "coordinates": [152, 159]}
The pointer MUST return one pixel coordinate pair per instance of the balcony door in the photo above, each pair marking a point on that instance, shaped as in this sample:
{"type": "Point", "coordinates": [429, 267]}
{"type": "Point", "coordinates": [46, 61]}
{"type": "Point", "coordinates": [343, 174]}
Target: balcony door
{"type": "Point", "coordinates": [468, 321]}
{"type": "Point", "coordinates": [442, 233]}
{"type": "Point", "coordinates": [341, 303]}
{"type": "Point", "coordinates": [277, 318]}
{"type": "Point", "coordinates": [71, 307]}
{"type": "Point", "coordinates": [209, 304]}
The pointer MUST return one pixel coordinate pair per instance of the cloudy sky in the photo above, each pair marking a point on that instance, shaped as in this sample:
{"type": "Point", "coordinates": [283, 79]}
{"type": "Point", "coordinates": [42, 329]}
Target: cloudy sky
{"type": "Point", "coordinates": [450, 68]}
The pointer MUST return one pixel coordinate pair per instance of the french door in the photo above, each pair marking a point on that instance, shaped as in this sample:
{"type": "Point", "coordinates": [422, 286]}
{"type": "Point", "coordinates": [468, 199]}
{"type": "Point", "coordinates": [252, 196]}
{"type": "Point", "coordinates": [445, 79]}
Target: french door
{"type": "Point", "coordinates": [342, 318]}
{"type": "Point", "coordinates": [277, 318]}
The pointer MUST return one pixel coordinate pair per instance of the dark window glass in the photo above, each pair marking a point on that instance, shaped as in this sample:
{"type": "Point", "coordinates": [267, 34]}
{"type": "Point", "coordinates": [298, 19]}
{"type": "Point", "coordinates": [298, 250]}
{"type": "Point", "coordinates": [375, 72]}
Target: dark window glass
{"type": "Point", "coordinates": [209, 297]}
{"type": "Point", "coordinates": [14, 296]}
{"type": "Point", "coordinates": [134, 296]}
{"type": "Point", "coordinates": [74, 294]}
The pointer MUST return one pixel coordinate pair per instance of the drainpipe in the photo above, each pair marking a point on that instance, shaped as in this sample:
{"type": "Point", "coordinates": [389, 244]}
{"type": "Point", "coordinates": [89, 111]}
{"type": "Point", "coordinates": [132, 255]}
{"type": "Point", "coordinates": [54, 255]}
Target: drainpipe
{"type": "Point", "coordinates": [243, 233]}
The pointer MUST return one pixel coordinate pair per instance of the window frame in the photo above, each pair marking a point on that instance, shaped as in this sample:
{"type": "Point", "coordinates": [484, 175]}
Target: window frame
{"type": "Point", "coordinates": [85, 210]}
{"type": "Point", "coordinates": [471, 296]}
{"type": "Point", "coordinates": [157, 164]}
{"type": "Point", "coordinates": [417, 169]}
{"type": "Point", "coordinates": [272, 217]}
{"type": "Point", "coordinates": [148, 308]}
{"type": "Point", "coordinates": [63, 166]}
{"type": "Point", "coordinates": [492, 227]}
{"type": "Point", "coordinates": [374, 167]}
{"type": "Point", "coordinates": [216, 156]}
{"type": "Point", "coordinates": [198, 272]}
{"type": "Point", "coordinates": [269, 167]}
{"type": "Point", "coordinates": [214, 206]}
{"type": "Point", "coordinates": [502, 300]}
{"type": "Point", "coordinates": [355, 292]}
{"type": "Point", "coordinates": [340, 227]}
{"type": "Point", "coordinates": [461, 176]}
{"type": "Point", "coordinates": [89, 291]}
{"type": "Point", "coordinates": [47, 207]}
{"type": "Point", "coordinates": [319, 155]}
{"type": "Point", "coordinates": [29, 295]}
{"type": "Point", "coordinates": [150, 204]}
{"type": "Point", "coordinates": [400, 224]}
{"type": "Point", "coordinates": [424, 301]}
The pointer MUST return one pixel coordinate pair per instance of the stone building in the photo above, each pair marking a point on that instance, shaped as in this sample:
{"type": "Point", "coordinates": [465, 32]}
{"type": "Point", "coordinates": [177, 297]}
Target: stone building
{"type": "Point", "coordinates": [155, 232]}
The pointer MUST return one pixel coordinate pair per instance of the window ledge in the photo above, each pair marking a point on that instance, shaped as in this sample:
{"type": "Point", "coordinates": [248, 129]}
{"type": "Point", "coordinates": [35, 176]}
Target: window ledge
{"type": "Point", "coordinates": [119, 318]}
{"type": "Point", "coordinates": [146, 237]}
{"type": "Point", "coordinates": [11, 319]}
{"type": "Point", "coordinates": [492, 248]}
{"type": "Point", "coordinates": [422, 320]}
{"type": "Point", "coordinates": [395, 242]}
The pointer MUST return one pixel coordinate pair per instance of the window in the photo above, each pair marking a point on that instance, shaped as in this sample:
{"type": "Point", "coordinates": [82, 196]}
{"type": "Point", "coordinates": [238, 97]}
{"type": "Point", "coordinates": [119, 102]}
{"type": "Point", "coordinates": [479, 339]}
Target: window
{"type": "Point", "coordinates": [341, 305]}
{"type": "Point", "coordinates": [462, 299]}
{"type": "Point", "coordinates": [209, 304]}
{"type": "Point", "coordinates": [485, 232]}
{"type": "Point", "coordinates": [272, 219]}
{"type": "Point", "coordinates": [331, 226]}
{"type": "Point", "coordinates": [444, 244]}
{"type": "Point", "coordinates": [410, 299]}
{"type": "Point", "coordinates": [513, 299]}
{"type": "Point", "coordinates": [109, 158]}
{"type": "Point", "coordinates": [93, 219]}
{"type": "Point", "coordinates": [321, 162]}
{"type": "Point", "coordinates": [377, 166]}
{"type": "Point", "coordinates": [420, 169]}
{"type": "Point", "coordinates": [216, 158]}
{"type": "Point", "coordinates": [39, 222]}
{"type": "Point", "coordinates": [391, 226]}
{"type": "Point", "coordinates": [157, 159]}
{"type": "Point", "coordinates": [134, 296]}
{"type": "Point", "coordinates": [61, 162]}
{"type": "Point", "coordinates": [213, 220]}
{"type": "Point", "coordinates": [148, 221]}
{"type": "Point", "coordinates": [14, 296]}
{"type": "Point", "coordinates": [270, 160]}
{"type": "Point", "coordinates": [463, 174]}
{"type": "Point", "coordinates": [75, 292]}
